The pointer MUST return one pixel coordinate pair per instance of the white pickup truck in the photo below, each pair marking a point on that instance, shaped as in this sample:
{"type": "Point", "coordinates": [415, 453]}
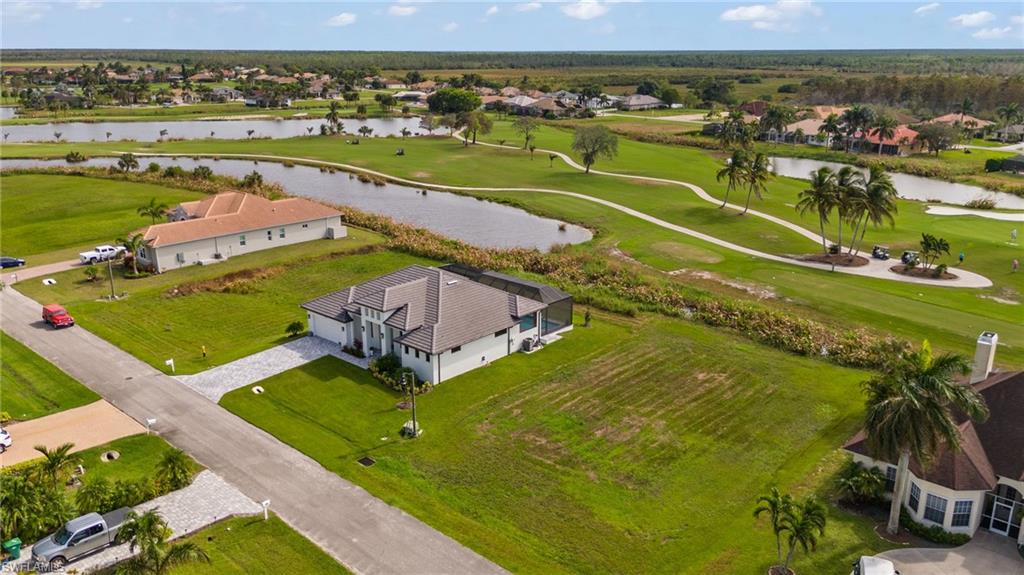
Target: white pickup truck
{"type": "Point", "coordinates": [101, 254]}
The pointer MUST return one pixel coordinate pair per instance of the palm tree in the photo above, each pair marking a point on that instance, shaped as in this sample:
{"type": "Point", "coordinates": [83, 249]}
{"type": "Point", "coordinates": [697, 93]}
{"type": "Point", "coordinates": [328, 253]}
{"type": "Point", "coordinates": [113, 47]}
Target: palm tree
{"type": "Point", "coordinates": [775, 505]}
{"type": "Point", "coordinates": [406, 132]}
{"type": "Point", "coordinates": [804, 521]}
{"type": "Point", "coordinates": [820, 198]}
{"type": "Point", "coordinates": [57, 463]}
{"type": "Point", "coordinates": [849, 187]}
{"type": "Point", "coordinates": [757, 174]}
{"type": "Point", "coordinates": [127, 162]}
{"type": "Point", "coordinates": [877, 205]}
{"type": "Point", "coordinates": [333, 116]}
{"type": "Point", "coordinates": [735, 170]}
{"type": "Point", "coordinates": [149, 534]}
{"type": "Point", "coordinates": [108, 135]}
{"type": "Point", "coordinates": [163, 134]}
{"type": "Point", "coordinates": [175, 470]}
{"type": "Point", "coordinates": [133, 244]}
{"type": "Point", "coordinates": [777, 118]}
{"type": "Point", "coordinates": [20, 504]}
{"type": "Point", "coordinates": [365, 131]}
{"type": "Point", "coordinates": [883, 128]}
{"type": "Point", "coordinates": [1009, 113]}
{"type": "Point", "coordinates": [153, 209]}
{"type": "Point", "coordinates": [911, 409]}
{"type": "Point", "coordinates": [250, 133]}
{"type": "Point", "coordinates": [966, 106]}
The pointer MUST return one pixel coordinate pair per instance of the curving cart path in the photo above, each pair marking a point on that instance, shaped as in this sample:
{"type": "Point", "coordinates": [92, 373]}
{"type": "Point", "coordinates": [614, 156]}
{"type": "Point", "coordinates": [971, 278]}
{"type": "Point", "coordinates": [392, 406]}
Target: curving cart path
{"type": "Point", "coordinates": [875, 269]}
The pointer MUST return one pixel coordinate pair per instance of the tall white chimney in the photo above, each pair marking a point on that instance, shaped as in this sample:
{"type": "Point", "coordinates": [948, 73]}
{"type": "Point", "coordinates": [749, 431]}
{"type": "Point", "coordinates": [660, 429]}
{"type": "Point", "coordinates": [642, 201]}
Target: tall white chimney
{"type": "Point", "coordinates": [984, 355]}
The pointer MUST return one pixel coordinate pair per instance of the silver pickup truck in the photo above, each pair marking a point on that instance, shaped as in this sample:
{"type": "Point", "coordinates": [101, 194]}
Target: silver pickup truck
{"type": "Point", "coordinates": [78, 537]}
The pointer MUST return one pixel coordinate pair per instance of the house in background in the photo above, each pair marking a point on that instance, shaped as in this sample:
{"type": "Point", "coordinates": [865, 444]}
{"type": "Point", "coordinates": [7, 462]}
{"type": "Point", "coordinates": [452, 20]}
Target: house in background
{"type": "Point", "coordinates": [902, 142]}
{"type": "Point", "coordinates": [1010, 134]}
{"type": "Point", "coordinates": [440, 322]}
{"type": "Point", "coordinates": [975, 125]}
{"type": "Point", "coordinates": [981, 486]}
{"type": "Point", "coordinates": [642, 102]}
{"type": "Point", "coordinates": [231, 224]}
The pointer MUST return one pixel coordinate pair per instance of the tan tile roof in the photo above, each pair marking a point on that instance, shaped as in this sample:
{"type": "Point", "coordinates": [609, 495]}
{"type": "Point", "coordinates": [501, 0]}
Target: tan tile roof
{"type": "Point", "coordinates": [234, 213]}
{"type": "Point", "coordinates": [955, 119]}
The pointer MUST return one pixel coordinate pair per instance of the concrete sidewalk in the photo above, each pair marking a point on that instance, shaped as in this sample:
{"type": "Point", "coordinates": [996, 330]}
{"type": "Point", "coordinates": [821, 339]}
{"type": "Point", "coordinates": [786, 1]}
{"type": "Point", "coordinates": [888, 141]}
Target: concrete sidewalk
{"type": "Point", "coordinates": [365, 534]}
{"type": "Point", "coordinates": [986, 554]}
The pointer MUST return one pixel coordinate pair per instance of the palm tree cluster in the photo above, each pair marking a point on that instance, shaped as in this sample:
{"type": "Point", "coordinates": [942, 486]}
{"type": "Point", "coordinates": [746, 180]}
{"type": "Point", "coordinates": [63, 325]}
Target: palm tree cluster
{"type": "Point", "coordinates": [912, 408]}
{"type": "Point", "coordinates": [744, 169]}
{"type": "Point", "coordinates": [798, 522]}
{"type": "Point", "coordinates": [857, 201]}
{"type": "Point", "coordinates": [776, 118]}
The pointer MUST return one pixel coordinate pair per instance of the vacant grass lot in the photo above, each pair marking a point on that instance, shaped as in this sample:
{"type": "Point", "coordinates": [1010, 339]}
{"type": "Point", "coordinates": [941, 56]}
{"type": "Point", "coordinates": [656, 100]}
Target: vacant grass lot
{"type": "Point", "coordinates": [154, 323]}
{"type": "Point", "coordinates": [252, 546]}
{"type": "Point", "coordinates": [140, 455]}
{"type": "Point", "coordinates": [55, 217]}
{"type": "Point", "coordinates": [34, 387]}
{"type": "Point", "coordinates": [950, 318]}
{"type": "Point", "coordinates": [632, 446]}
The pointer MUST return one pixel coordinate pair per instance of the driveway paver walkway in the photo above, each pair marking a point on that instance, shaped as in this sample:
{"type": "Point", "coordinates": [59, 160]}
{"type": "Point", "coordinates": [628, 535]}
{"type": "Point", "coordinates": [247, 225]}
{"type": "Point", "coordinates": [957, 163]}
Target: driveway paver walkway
{"type": "Point", "coordinates": [214, 383]}
{"type": "Point", "coordinates": [986, 554]}
{"type": "Point", "coordinates": [85, 426]}
{"type": "Point", "coordinates": [365, 534]}
{"type": "Point", "coordinates": [207, 500]}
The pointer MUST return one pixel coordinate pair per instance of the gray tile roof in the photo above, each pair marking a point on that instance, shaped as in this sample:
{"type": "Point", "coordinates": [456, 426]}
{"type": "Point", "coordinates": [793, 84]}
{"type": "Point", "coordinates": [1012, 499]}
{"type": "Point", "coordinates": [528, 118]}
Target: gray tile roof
{"type": "Point", "coordinates": [437, 309]}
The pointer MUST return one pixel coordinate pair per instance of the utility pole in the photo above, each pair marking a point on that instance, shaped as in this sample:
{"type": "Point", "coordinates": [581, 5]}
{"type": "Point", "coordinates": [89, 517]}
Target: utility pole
{"type": "Point", "coordinates": [110, 274]}
{"type": "Point", "coordinates": [409, 379]}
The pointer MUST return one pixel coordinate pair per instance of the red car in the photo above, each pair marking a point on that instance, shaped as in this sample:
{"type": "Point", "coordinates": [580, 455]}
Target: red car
{"type": "Point", "coordinates": [57, 316]}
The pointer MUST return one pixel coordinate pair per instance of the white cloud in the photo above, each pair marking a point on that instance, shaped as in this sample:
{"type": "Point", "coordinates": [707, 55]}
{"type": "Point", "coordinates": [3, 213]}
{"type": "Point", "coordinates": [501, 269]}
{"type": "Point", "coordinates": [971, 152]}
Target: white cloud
{"type": "Point", "coordinates": [402, 10]}
{"type": "Point", "coordinates": [228, 7]}
{"type": "Point", "coordinates": [974, 19]}
{"type": "Point", "coordinates": [926, 8]}
{"type": "Point", "coordinates": [527, 7]}
{"type": "Point", "coordinates": [343, 19]}
{"type": "Point", "coordinates": [605, 29]}
{"type": "Point", "coordinates": [127, 19]}
{"type": "Point", "coordinates": [585, 9]}
{"type": "Point", "coordinates": [1017, 20]}
{"type": "Point", "coordinates": [780, 16]}
{"type": "Point", "coordinates": [25, 11]}
{"type": "Point", "coordinates": [491, 11]}
{"type": "Point", "coordinates": [88, 4]}
{"type": "Point", "coordinates": [993, 33]}
{"type": "Point", "coordinates": [450, 27]}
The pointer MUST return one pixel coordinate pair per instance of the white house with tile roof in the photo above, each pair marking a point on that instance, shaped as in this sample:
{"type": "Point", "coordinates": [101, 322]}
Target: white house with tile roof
{"type": "Point", "coordinates": [437, 322]}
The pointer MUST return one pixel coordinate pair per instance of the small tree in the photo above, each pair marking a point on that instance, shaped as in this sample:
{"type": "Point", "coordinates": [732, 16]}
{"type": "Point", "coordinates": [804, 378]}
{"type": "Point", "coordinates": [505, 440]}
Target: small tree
{"type": "Point", "coordinates": [294, 328]}
{"type": "Point", "coordinates": [860, 484]}
{"type": "Point", "coordinates": [593, 142]}
{"type": "Point", "coordinates": [932, 249]}
{"type": "Point", "coordinates": [253, 180]}
{"type": "Point", "coordinates": [429, 123]}
{"type": "Point", "coordinates": [405, 132]}
{"type": "Point", "coordinates": [202, 173]}
{"type": "Point", "coordinates": [132, 245]}
{"type": "Point", "coordinates": [149, 533]}
{"type": "Point", "coordinates": [127, 163]}
{"type": "Point", "coordinates": [937, 137]}
{"type": "Point", "coordinates": [154, 209]}
{"type": "Point", "coordinates": [775, 504]}
{"type": "Point", "coordinates": [57, 463]}
{"type": "Point", "coordinates": [174, 470]}
{"type": "Point", "coordinates": [526, 126]}
{"type": "Point", "coordinates": [94, 496]}
{"type": "Point", "coordinates": [803, 522]}
{"type": "Point", "coordinates": [92, 273]}
{"type": "Point", "coordinates": [365, 131]}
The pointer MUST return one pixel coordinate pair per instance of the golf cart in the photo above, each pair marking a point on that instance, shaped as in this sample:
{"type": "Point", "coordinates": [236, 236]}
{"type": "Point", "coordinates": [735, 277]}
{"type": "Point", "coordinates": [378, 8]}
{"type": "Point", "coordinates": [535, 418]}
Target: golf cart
{"type": "Point", "coordinates": [868, 565]}
{"type": "Point", "coordinates": [880, 252]}
{"type": "Point", "coordinates": [910, 256]}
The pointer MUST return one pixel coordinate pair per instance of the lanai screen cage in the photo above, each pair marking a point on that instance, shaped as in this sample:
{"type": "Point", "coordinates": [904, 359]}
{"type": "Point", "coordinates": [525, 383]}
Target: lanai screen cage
{"type": "Point", "coordinates": [556, 316]}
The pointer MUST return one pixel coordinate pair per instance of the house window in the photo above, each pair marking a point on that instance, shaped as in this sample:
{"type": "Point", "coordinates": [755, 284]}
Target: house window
{"type": "Point", "coordinates": [406, 350]}
{"type": "Point", "coordinates": [915, 497]}
{"type": "Point", "coordinates": [935, 509]}
{"type": "Point", "coordinates": [281, 232]}
{"type": "Point", "coordinates": [241, 240]}
{"type": "Point", "coordinates": [270, 235]}
{"type": "Point", "coordinates": [962, 513]}
{"type": "Point", "coordinates": [501, 332]}
{"type": "Point", "coordinates": [456, 349]}
{"type": "Point", "coordinates": [890, 478]}
{"type": "Point", "coordinates": [417, 353]}
{"type": "Point", "coordinates": [426, 356]}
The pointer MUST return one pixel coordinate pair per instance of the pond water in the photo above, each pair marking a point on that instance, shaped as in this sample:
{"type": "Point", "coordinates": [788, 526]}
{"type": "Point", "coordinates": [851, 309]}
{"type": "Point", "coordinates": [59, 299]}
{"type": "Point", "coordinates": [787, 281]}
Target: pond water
{"type": "Point", "coordinates": [474, 221]}
{"type": "Point", "coordinates": [7, 112]}
{"type": "Point", "coordinates": [198, 129]}
{"type": "Point", "coordinates": [907, 186]}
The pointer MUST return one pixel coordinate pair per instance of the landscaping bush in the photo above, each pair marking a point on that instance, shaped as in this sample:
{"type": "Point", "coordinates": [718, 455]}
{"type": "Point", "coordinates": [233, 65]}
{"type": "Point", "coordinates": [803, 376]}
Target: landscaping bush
{"type": "Point", "coordinates": [174, 172]}
{"type": "Point", "coordinates": [932, 533]}
{"type": "Point", "coordinates": [294, 328]}
{"type": "Point", "coordinates": [993, 164]}
{"type": "Point", "coordinates": [987, 203]}
{"type": "Point", "coordinates": [202, 172]}
{"type": "Point", "coordinates": [353, 350]}
{"type": "Point", "coordinates": [153, 168]}
{"type": "Point", "coordinates": [859, 484]}
{"type": "Point", "coordinates": [74, 158]}
{"type": "Point", "coordinates": [388, 370]}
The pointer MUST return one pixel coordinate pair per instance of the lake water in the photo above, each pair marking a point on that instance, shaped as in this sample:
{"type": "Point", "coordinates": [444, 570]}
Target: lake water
{"type": "Point", "coordinates": [197, 129]}
{"type": "Point", "coordinates": [7, 112]}
{"type": "Point", "coordinates": [907, 186]}
{"type": "Point", "coordinates": [474, 221]}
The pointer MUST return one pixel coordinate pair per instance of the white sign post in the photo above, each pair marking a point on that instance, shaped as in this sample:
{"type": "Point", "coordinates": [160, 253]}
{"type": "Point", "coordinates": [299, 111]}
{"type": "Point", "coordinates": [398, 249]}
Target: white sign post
{"type": "Point", "coordinates": [266, 506]}
{"type": "Point", "coordinates": [170, 363]}
{"type": "Point", "coordinates": [150, 422]}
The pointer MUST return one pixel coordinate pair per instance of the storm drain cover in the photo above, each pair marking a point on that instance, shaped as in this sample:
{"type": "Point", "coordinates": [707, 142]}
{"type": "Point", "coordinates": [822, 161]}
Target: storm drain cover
{"type": "Point", "coordinates": [366, 461]}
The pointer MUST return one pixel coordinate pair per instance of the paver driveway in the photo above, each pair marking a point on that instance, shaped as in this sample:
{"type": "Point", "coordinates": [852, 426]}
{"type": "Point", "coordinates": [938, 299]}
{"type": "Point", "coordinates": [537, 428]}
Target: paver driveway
{"type": "Point", "coordinates": [986, 554]}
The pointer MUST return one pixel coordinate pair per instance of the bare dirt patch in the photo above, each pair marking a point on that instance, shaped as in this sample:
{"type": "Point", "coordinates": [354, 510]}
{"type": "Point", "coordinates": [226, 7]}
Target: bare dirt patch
{"type": "Point", "coordinates": [761, 292]}
{"type": "Point", "coordinates": [240, 282]}
{"type": "Point", "coordinates": [643, 182]}
{"type": "Point", "coordinates": [421, 174]}
{"type": "Point", "coordinates": [919, 272]}
{"type": "Point", "coordinates": [686, 252]}
{"type": "Point", "coordinates": [842, 260]}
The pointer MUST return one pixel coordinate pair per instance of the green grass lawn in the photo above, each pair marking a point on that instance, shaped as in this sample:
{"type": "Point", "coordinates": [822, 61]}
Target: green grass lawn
{"type": "Point", "coordinates": [632, 446]}
{"type": "Point", "coordinates": [32, 386]}
{"type": "Point", "coordinates": [153, 324]}
{"type": "Point", "coordinates": [49, 218]}
{"type": "Point", "coordinates": [252, 546]}
{"type": "Point", "coordinates": [911, 311]}
{"type": "Point", "coordinates": [140, 455]}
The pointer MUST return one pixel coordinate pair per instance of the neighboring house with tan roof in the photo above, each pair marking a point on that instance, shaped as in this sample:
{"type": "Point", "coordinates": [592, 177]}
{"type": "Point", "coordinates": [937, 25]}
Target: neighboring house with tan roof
{"type": "Point", "coordinates": [981, 486]}
{"type": "Point", "coordinates": [441, 322]}
{"type": "Point", "coordinates": [231, 224]}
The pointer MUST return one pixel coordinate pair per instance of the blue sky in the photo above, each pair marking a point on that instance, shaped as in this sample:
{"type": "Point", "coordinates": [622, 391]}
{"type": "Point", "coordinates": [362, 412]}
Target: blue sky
{"type": "Point", "coordinates": [513, 26]}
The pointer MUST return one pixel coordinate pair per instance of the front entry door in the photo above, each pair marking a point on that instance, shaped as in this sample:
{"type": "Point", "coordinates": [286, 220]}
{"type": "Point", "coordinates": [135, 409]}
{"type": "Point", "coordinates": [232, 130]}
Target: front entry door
{"type": "Point", "coordinates": [1001, 514]}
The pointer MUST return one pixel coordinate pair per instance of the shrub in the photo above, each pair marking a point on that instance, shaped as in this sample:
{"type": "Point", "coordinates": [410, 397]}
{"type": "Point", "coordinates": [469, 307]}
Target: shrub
{"type": "Point", "coordinates": [993, 164]}
{"type": "Point", "coordinates": [859, 484]}
{"type": "Point", "coordinates": [74, 158]}
{"type": "Point", "coordinates": [174, 172]}
{"type": "Point", "coordinates": [294, 328]}
{"type": "Point", "coordinates": [353, 350]}
{"type": "Point", "coordinates": [932, 533]}
{"type": "Point", "coordinates": [788, 89]}
{"type": "Point", "coordinates": [126, 493]}
{"type": "Point", "coordinates": [940, 270]}
{"type": "Point", "coordinates": [92, 273]}
{"type": "Point", "coordinates": [153, 168]}
{"type": "Point", "coordinates": [388, 370]}
{"type": "Point", "coordinates": [202, 173]}
{"type": "Point", "coordinates": [987, 203]}
{"type": "Point", "coordinates": [95, 495]}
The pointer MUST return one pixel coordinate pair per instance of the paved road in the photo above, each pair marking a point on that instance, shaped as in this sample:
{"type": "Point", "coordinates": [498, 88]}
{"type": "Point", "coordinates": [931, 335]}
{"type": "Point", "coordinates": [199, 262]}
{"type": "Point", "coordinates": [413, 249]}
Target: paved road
{"type": "Point", "coordinates": [38, 271]}
{"type": "Point", "coordinates": [85, 426]}
{"type": "Point", "coordinates": [986, 554]}
{"type": "Point", "coordinates": [362, 532]}
{"type": "Point", "coordinates": [875, 268]}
